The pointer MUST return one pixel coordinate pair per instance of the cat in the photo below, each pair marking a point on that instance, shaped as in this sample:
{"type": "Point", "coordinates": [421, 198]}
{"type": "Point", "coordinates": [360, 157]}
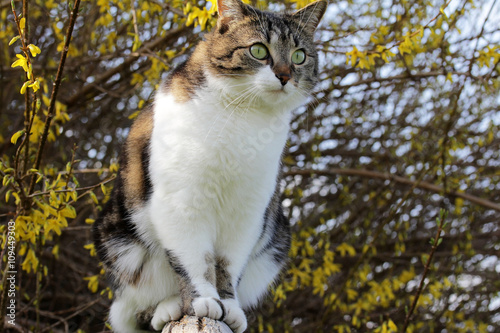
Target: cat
{"type": "Point", "coordinates": [195, 224]}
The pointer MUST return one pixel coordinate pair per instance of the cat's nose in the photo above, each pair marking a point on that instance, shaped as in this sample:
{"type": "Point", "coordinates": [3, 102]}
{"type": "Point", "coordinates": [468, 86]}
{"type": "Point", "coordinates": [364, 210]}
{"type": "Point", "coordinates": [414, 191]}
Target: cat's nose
{"type": "Point", "coordinates": [283, 77]}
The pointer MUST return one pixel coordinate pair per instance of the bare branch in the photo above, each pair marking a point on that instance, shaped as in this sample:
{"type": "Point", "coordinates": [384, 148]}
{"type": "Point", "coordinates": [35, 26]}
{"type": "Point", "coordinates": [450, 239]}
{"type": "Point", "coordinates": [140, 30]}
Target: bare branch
{"type": "Point", "coordinates": [402, 180]}
{"type": "Point", "coordinates": [55, 90]}
{"type": "Point", "coordinates": [153, 45]}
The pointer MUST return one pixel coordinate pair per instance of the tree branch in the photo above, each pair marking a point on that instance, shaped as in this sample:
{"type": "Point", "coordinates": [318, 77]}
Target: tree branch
{"type": "Point", "coordinates": [170, 36]}
{"type": "Point", "coordinates": [55, 90]}
{"type": "Point", "coordinates": [435, 244]}
{"type": "Point", "coordinates": [402, 180]}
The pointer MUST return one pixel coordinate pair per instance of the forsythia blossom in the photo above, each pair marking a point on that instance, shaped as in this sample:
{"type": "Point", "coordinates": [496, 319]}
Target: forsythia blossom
{"type": "Point", "coordinates": [21, 61]}
{"type": "Point", "coordinates": [34, 50]}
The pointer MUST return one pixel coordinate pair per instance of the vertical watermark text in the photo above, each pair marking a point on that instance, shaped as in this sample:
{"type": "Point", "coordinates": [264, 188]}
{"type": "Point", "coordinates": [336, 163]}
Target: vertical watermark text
{"type": "Point", "coordinates": [11, 273]}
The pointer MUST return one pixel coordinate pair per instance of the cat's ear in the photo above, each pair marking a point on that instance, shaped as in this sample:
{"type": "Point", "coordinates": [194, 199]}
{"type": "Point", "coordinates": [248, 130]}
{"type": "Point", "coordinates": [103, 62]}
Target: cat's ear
{"type": "Point", "coordinates": [229, 11]}
{"type": "Point", "coordinates": [309, 16]}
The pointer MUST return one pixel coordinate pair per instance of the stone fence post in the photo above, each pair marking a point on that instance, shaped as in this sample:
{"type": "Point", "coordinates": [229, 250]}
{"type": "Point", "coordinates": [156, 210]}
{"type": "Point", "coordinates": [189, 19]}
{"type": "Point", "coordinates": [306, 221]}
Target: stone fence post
{"type": "Point", "coordinates": [190, 324]}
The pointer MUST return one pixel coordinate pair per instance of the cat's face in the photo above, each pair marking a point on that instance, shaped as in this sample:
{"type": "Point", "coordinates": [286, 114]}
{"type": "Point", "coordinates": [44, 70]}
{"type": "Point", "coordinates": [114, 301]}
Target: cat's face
{"type": "Point", "coordinates": [264, 57]}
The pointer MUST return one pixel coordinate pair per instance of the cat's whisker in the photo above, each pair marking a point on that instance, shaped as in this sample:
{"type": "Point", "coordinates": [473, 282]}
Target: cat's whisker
{"type": "Point", "coordinates": [231, 84]}
{"type": "Point", "coordinates": [258, 17]}
{"type": "Point", "coordinates": [246, 96]}
{"type": "Point", "coordinates": [254, 97]}
{"type": "Point", "coordinates": [220, 112]}
{"type": "Point", "coordinates": [249, 96]}
{"type": "Point", "coordinates": [240, 97]}
{"type": "Point", "coordinates": [314, 100]}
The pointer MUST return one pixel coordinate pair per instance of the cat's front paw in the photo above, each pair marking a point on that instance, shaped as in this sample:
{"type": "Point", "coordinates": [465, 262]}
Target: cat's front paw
{"type": "Point", "coordinates": [208, 307]}
{"type": "Point", "coordinates": [167, 311]}
{"type": "Point", "coordinates": [235, 317]}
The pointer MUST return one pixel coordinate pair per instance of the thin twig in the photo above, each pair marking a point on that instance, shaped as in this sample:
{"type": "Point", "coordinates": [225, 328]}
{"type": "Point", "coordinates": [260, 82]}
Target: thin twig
{"type": "Point", "coordinates": [27, 95]}
{"type": "Point", "coordinates": [480, 35]}
{"type": "Point", "coordinates": [169, 36]}
{"type": "Point", "coordinates": [85, 171]}
{"type": "Point", "coordinates": [24, 48]}
{"type": "Point", "coordinates": [134, 19]}
{"type": "Point", "coordinates": [69, 173]}
{"type": "Point", "coordinates": [402, 180]}
{"type": "Point", "coordinates": [170, 8]}
{"type": "Point", "coordinates": [380, 227]}
{"type": "Point", "coordinates": [55, 90]}
{"type": "Point", "coordinates": [83, 308]}
{"type": "Point", "coordinates": [87, 188]}
{"type": "Point", "coordinates": [435, 244]}
{"type": "Point", "coordinates": [424, 27]}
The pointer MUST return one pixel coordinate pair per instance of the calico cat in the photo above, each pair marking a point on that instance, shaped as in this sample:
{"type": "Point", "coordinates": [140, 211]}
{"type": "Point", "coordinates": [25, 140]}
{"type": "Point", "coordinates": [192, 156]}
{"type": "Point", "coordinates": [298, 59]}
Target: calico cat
{"type": "Point", "coordinates": [195, 224]}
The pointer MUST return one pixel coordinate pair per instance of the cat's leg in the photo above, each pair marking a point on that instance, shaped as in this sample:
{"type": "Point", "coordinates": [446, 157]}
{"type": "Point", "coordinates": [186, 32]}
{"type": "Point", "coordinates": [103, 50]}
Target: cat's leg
{"type": "Point", "coordinates": [225, 282]}
{"type": "Point", "coordinates": [168, 310]}
{"type": "Point", "coordinates": [197, 283]}
{"type": "Point", "coordinates": [259, 274]}
{"type": "Point", "coordinates": [268, 258]}
{"type": "Point", "coordinates": [187, 238]}
{"type": "Point", "coordinates": [159, 291]}
{"type": "Point", "coordinates": [122, 316]}
{"type": "Point", "coordinates": [151, 297]}
{"type": "Point", "coordinates": [252, 259]}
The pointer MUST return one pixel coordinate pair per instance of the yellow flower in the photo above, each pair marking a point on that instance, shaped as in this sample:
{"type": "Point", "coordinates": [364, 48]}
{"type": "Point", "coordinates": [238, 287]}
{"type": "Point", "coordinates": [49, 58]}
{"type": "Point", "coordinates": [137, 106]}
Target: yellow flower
{"type": "Point", "coordinates": [35, 85]}
{"type": "Point", "coordinates": [354, 55]}
{"type": "Point", "coordinates": [345, 248]}
{"type": "Point", "coordinates": [34, 50]}
{"type": "Point", "coordinates": [93, 283]}
{"type": "Point", "coordinates": [30, 262]}
{"type": "Point", "coordinates": [91, 248]}
{"type": "Point", "coordinates": [23, 88]}
{"type": "Point", "coordinates": [21, 61]}
{"type": "Point", "coordinates": [213, 6]}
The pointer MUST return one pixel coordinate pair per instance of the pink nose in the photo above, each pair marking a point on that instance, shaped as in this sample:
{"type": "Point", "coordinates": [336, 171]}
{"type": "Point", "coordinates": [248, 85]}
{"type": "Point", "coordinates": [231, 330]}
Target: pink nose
{"type": "Point", "coordinates": [283, 77]}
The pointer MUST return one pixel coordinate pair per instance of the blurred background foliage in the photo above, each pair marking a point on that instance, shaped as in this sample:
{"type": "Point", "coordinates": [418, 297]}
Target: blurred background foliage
{"type": "Point", "coordinates": [391, 180]}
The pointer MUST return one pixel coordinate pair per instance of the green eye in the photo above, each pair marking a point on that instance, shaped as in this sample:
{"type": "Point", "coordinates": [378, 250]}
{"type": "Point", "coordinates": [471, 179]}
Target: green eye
{"type": "Point", "coordinates": [259, 51]}
{"type": "Point", "coordinates": [298, 57]}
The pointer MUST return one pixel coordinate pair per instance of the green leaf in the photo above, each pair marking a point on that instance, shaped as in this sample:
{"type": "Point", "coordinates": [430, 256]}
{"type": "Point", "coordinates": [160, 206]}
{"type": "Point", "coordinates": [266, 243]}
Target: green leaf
{"type": "Point", "coordinates": [7, 195]}
{"type": "Point", "coordinates": [103, 189]}
{"type": "Point", "coordinates": [25, 86]}
{"type": "Point", "coordinates": [93, 197]}
{"type": "Point", "coordinates": [14, 39]}
{"type": "Point", "coordinates": [441, 10]}
{"type": "Point", "coordinates": [16, 136]}
{"type": "Point", "coordinates": [7, 180]}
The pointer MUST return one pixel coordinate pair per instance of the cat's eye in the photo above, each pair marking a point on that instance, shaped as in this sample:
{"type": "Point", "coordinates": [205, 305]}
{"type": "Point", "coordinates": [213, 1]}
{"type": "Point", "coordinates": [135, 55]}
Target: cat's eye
{"type": "Point", "coordinates": [298, 57]}
{"type": "Point", "coordinates": [259, 51]}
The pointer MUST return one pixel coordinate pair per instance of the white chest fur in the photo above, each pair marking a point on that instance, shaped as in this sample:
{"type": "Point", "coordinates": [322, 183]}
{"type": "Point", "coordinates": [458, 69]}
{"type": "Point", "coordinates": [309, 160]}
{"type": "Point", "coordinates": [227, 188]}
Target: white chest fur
{"type": "Point", "coordinates": [216, 162]}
